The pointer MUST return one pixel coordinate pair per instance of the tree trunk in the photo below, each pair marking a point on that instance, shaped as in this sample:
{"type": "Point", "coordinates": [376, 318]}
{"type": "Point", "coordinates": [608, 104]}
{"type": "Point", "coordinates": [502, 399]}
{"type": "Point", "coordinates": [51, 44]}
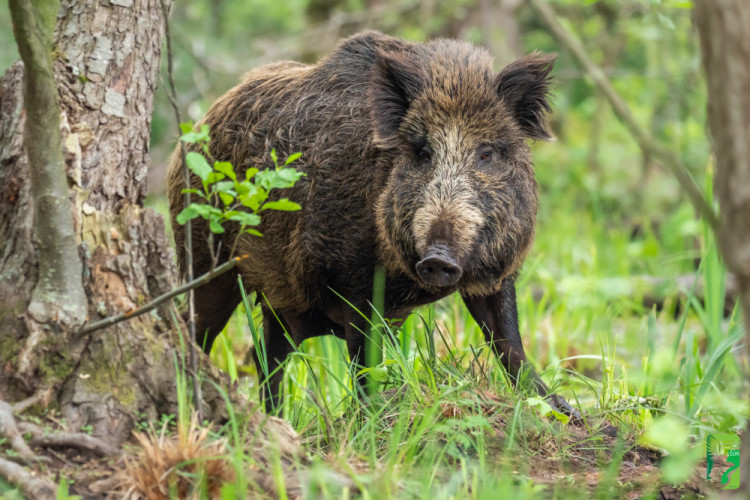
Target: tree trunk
{"type": "Point", "coordinates": [500, 31]}
{"type": "Point", "coordinates": [725, 43]}
{"type": "Point", "coordinates": [106, 70]}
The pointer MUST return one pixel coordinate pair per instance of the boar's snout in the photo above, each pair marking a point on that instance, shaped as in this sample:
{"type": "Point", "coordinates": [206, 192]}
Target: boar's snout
{"type": "Point", "coordinates": [438, 267]}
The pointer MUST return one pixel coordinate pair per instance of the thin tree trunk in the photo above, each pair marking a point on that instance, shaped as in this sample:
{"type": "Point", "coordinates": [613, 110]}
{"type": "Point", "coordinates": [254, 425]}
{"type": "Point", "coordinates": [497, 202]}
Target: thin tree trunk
{"type": "Point", "coordinates": [500, 30]}
{"type": "Point", "coordinates": [58, 295]}
{"type": "Point", "coordinates": [725, 43]}
{"type": "Point", "coordinates": [106, 70]}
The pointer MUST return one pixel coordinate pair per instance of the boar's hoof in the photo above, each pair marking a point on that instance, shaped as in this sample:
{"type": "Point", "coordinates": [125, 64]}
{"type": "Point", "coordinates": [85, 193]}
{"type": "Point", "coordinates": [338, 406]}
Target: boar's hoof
{"type": "Point", "coordinates": [438, 267]}
{"type": "Point", "coordinates": [559, 404]}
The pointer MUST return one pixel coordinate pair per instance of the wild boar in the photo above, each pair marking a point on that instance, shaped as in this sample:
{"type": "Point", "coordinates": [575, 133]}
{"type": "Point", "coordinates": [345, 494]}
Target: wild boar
{"type": "Point", "coordinates": [416, 159]}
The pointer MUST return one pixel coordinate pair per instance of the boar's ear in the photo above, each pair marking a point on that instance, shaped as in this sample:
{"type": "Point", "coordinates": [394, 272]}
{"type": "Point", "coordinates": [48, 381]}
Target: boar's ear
{"type": "Point", "coordinates": [524, 86]}
{"type": "Point", "coordinates": [395, 83]}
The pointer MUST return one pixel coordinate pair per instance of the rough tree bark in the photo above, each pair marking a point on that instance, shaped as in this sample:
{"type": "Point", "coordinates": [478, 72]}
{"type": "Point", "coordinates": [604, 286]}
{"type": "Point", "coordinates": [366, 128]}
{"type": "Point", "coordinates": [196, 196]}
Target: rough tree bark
{"type": "Point", "coordinates": [725, 42]}
{"type": "Point", "coordinates": [106, 65]}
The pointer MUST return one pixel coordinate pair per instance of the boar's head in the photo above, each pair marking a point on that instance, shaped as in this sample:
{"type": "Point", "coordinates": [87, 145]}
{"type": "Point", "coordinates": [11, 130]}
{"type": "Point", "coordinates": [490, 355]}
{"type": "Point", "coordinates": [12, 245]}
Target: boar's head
{"type": "Point", "coordinates": [459, 205]}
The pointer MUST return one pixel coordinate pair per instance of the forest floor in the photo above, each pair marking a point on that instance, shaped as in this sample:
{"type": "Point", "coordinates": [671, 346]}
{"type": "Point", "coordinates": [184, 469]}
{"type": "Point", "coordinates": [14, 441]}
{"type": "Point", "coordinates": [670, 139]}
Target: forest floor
{"type": "Point", "coordinates": [542, 459]}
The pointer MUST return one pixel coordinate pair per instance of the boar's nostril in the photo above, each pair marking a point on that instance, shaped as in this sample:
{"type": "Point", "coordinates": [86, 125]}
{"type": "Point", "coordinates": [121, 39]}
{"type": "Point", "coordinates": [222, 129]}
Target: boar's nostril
{"type": "Point", "coordinates": [439, 269]}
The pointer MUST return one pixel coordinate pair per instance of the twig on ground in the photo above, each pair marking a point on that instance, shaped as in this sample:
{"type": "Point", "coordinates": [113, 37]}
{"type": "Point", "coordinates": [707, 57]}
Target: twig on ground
{"type": "Point", "coordinates": [27, 403]}
{"type": "Point", "coordinates": [201, 280]}
{"type": "Point", "coordinates": [645, 141]}
{"type": "Point", "coordinates": [67, 439]}
{"type": "Point", "coordinates": [34, 487]}
{"type": "Point", "coordinates": [9, 429]}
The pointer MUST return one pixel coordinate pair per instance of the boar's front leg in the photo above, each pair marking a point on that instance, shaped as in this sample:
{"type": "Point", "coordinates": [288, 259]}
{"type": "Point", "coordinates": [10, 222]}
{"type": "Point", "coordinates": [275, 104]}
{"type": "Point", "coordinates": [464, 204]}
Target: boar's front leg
{"type": "Point", "coordinates": [497, 314]}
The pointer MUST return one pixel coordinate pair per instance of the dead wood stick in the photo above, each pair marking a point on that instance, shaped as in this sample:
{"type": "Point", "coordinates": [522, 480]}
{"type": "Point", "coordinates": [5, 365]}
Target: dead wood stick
{"type": "Point", "coordinates": [67, 439]}
{"type": "Point", "coordinates": [34, 487]}
{"type": "Point", "coordinates": [201, 280]}
{"type": "Point", "coordinates": [9, 429]}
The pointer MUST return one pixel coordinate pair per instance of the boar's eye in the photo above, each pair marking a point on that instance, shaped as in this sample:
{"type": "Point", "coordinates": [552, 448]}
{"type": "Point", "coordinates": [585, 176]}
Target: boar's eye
{"type": "Point", "coordinates": [485, 155]}
{"type": "Point", "coordinates": [424, 153]}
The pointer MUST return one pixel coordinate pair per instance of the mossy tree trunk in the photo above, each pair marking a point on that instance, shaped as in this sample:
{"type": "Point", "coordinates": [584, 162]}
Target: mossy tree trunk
{"type": "Point", "coordinates": [725, 43]}
{"type": "Point", "coordinates": [105, 65]}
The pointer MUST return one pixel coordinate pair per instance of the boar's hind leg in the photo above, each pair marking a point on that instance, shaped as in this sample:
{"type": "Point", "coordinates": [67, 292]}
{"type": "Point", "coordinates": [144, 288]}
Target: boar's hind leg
{"type": "Point", "coordinates": [497, 314]}
{"type": "Point", "coordinates": [355, 344]}
{"type": "Point", "coordinates": [214, 304]}
{"type": "Point", "coordinates": [277, 348]}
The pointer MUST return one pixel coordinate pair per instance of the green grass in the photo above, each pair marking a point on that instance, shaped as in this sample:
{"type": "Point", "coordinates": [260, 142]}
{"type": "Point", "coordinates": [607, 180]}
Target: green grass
{"type": "Point", "coordinates": [450, 425]}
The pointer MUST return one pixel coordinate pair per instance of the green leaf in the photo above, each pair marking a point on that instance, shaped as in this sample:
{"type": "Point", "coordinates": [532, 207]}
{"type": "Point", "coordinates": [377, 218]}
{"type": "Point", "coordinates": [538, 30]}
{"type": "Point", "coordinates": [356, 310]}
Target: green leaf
{"type": "Point", "coordinates": [214, 177]}
{"type": "Point", "coordinates": [290, 176]}
{"type": "Point", "coordinates": [226, 168]}
{"type": "Point", "coordinates": [274, 156]}
{"type": "Point", "coordinates": [245, 218]}
{"type": "Point", "coordinates": [193, 191]}
{"type": "Point", "coordinates": [215, 225]}
{"type": "Point", "coordinates": [226, 198]}
{"type": "Point", "coordinates": [189, 212]}
{"type": "Point", "coordinates": [283, 204]}
{"type": "Point", "coordinates": [291, 158]}
{"type": "Point", "coordinates": [198, 164]}
{"type": "Point", "coordinates": [195, 137]}
{"type": "Point", "coordinates": [253, 232]}
{"type": "Point", "coordinates": [225, 187]}
{"type": "Point", "coordinates": [186, 127]}
{"type": "Point", "coordinates": [250, 173]}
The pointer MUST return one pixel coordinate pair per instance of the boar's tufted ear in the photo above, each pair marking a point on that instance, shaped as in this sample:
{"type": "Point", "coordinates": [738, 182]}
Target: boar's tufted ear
{"type": "Point", "coordinates": [395, 83]}
{"type": "Point", "coordinates": [524, 86]}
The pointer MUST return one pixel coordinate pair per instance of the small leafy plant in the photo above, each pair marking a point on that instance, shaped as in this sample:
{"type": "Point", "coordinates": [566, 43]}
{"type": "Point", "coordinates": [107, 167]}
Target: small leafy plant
{"type": "Point", "coordinates": [224, 196]}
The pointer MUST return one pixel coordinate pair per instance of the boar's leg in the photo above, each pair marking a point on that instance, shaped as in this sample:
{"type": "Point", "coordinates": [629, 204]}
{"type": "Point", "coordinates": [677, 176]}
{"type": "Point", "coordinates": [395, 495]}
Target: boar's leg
{"type": "Point", "coordinates": [277, 348]}
{"type": "Point", "coordinates": [497, 314]}
{"type": "Point", "coordinates": [299, 326]}
{"type": "Point", "coordinates": [214, 304]}
{"type": "Point", "coordinates": [355, 344]}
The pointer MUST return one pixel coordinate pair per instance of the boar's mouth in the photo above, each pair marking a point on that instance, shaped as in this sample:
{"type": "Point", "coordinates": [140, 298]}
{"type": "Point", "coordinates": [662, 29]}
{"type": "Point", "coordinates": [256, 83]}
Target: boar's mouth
{"type": "Point", "coordinates": [438, 267]}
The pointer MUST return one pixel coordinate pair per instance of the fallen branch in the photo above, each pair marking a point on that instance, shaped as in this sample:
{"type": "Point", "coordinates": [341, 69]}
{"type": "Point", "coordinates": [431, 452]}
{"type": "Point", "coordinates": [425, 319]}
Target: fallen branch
{"type": "Point", "coordinates": [34, 487]}
{"type": "Point", "coordinates": [201, 280]}
{"type": "Point", "coordinates": [67, 439]}
{"type": "Point", "coordinates": [9, 430]}
{"type": "Point", "coordinates": [645, 141]}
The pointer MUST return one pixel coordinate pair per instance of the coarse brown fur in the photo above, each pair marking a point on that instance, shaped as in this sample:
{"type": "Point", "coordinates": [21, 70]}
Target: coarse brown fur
{"type": "Point", "coordinates": [406, 148]}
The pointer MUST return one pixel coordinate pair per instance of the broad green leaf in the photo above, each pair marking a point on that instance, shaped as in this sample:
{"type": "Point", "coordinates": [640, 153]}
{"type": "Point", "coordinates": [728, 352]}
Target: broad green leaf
{"type": "Point", "coordinates": [226, 198]}
{"type": "Point", "coordinates": [225, 187]}
{"type": "Point", "coordinates": [186, 127]}
{"type": "Point", "coordinates": [189, 212]}
{"type": "Point", "coordinates": [250, 173]}
{"type": "Point", "coordinates": [225, 168]}
{"type": "Point", "coordinates": [241, 188]}
{"type": "Point", "coordinates": [291, 158]}
{"type": "Point", "coordinates": [215, 225]}
{"type": "Point", "coordinates": [195, 137]}
{"type": "Point", "coordinates": [193, 191]}
{"type": "Point", "coordinates": [214, 177]}
{"type": "Point", "coordinates": [283, 204]}
{"type": "Point", "coordinates": [245, 218]}
{"type": "Point", "coordinates": [198, 164]}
